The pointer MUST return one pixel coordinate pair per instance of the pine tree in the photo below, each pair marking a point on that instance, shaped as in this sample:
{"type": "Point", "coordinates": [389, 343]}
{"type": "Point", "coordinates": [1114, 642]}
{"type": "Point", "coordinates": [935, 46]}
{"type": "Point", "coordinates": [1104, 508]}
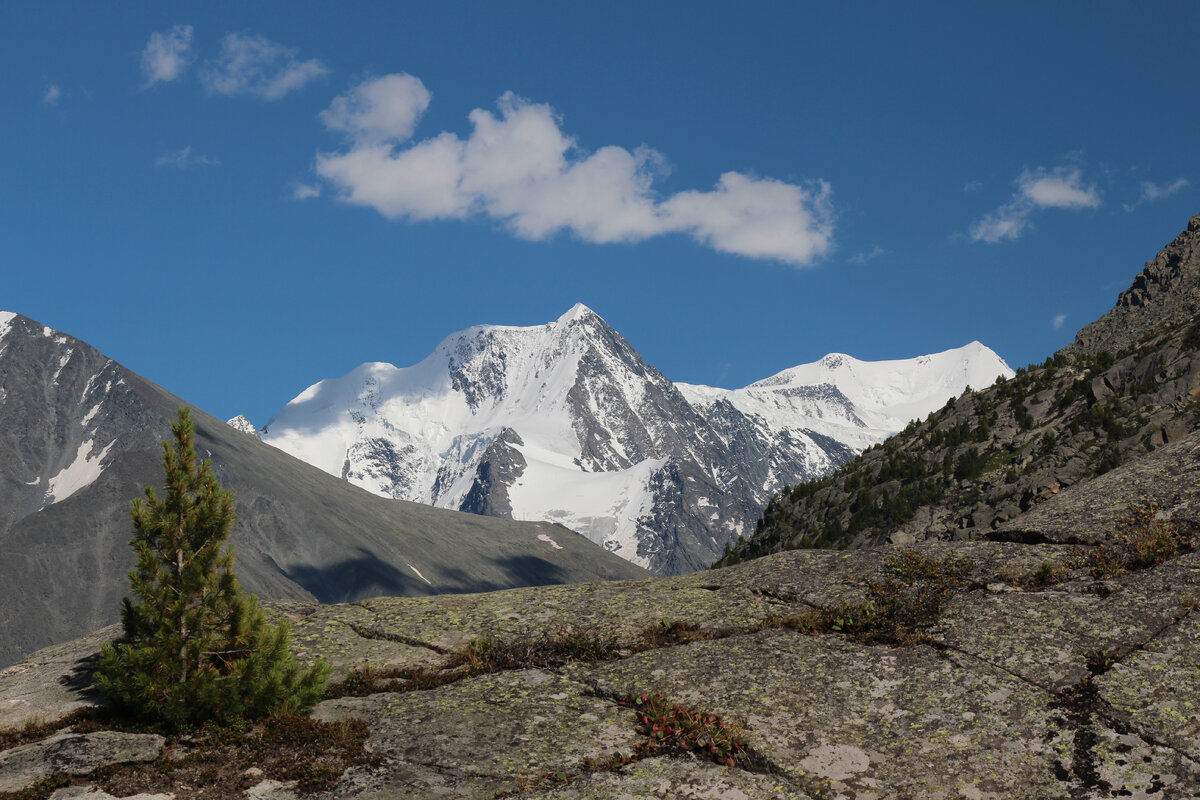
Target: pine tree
{"type": "Point", "coordinates": [196, 649]}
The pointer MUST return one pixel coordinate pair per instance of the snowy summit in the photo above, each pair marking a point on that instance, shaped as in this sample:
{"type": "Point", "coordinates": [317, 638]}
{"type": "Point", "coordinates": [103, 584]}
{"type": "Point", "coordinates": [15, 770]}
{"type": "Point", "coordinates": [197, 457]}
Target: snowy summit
{"type": "Point", "coordinates": [565, 422]}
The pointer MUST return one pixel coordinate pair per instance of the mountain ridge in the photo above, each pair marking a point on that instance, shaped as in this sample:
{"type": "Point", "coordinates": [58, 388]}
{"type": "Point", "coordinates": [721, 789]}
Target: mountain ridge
{"type": "Point", "coordinates": [566, 422]}
{"type": "Point", "coordinates": [1128, 384]}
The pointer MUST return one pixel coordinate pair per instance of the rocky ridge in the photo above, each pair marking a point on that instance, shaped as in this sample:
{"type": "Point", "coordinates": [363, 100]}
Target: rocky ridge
{"type": "Point", "coordinates": [1128, 385]}
{"type": "Point", "coordinates": [1166, 291]}
{"type": "Point", "coordinates": [1035, 672]}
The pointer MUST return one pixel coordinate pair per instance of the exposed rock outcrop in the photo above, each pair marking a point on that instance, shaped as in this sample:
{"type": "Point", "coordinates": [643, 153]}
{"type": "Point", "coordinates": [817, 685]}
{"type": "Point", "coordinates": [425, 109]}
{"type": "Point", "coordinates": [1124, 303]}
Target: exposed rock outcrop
{"type": "Point", "coordinates": [1166, 291]}
{"type": "Point", "coordinates": [1031, 678]}
{"type": "Point", "coordinates": [74, 754]}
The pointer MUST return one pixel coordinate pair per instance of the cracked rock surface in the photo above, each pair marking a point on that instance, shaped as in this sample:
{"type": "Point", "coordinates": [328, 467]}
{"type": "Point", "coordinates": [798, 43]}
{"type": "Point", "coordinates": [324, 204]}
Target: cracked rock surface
{"type": "Point", "coordinates": [1075, 687]}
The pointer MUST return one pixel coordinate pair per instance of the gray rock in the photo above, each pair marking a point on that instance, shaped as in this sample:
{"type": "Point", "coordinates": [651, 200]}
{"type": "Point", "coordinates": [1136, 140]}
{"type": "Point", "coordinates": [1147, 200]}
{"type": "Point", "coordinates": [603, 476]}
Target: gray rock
{"type": "Point", "coordinates": [978, 712]}
{"type": "Point", "coordinates": [52, 682]}
{"type": "Point", "coordinates": [74, 754]}
{"type": "Point", "coordinates": [92, 793]}
{"type": "Point", "coordinates": [687, 778]}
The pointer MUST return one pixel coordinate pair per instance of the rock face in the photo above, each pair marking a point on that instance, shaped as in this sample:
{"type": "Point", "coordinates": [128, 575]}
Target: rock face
{"type": "Point", "coordinates": [1058, 686]}
{"type": "Point", "coordinates": [80, 438]}
{"type": "Point", "coordinates": [1165, 292]}
{"type": "Point", "coordinates": [565, 422]}
{"type": "Point", "coordinates": [1129, 385]}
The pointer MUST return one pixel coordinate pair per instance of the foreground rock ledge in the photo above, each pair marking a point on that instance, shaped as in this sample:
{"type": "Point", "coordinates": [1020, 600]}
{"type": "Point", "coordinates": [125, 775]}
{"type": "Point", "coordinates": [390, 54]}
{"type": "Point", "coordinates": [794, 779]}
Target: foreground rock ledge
{"type": "Point", "coordinates": [74, 754]}
{"type": "Point", "coordinates": [978, 712]}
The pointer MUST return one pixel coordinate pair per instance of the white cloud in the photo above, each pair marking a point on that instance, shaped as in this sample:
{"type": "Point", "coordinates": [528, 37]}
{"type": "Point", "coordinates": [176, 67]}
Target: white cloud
{"type": "Point", "coordinates": [1154, 191]}
{"type": "Point", "coordinates": [51, 95]}
{"type": "Point", "coordinates": [255, 65]}
{"type": "Point", "coordinates": [1059, 319]}
{"type": "Point", "coordinates": [1062, 188]}
{"type": "Point", "coordinates": [167, 54]}
{"type": "Point", "coordinates": [518, 167]}
{"type": "Point", "coordinates": [1037, 189]}
{"type": "Point", "coordinates": [867, 255]}
{"type": "Point", "coordinates": [972, 186]}
{"type": "Point", "coordinates": [305, 191]}
{"type": "Point", "coordinates": [184, 158]}
{"type": "Point", "coordinates": [383, 109]}
{"type": "Point", "coordinates": [1007, 222]}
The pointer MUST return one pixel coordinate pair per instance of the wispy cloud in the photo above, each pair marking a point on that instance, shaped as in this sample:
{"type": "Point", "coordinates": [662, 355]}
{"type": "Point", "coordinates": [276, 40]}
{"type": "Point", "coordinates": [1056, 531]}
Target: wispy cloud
{"type": "Point", "coordinates": [256, 66]}
{"type": "Point", "coordinates": [1157, 191]}
{"type": "Point", "coordinates": [305, 191]}
{"type": "Point", "coordinates": [972, 186]}
{"type": "Point", "coordinates": [51, 94]}
{"type": "Point", "coordinates": [1058, 321]}
{"type": "Point", "coordinates": [185, 158]}
{"type": "Point", "coordinates": [1038, 189]}
{"type": "Point", "coordinates": [518, 167]}
{"type": "Point", "coordinates": [867, 255]}
{"type": "Point", "coordinates": [167, 55]}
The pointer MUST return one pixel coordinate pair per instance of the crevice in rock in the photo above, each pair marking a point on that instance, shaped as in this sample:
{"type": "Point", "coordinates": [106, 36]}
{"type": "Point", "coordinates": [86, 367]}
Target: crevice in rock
{"type": "Point", "coordinates": [1020, 537]}
{"type": "Point", "coordinates": [778, 596]}
{"type": "Point", "coordinates": [942, 649]}
{"type": "Point", "coordinates": [377, 633]}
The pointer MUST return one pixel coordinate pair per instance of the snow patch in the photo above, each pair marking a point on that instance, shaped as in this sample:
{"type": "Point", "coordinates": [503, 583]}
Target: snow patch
{"type": "Point", "coordinates": [545, 537]}
{"type": "Point", "coordinates": [419, 575]}
{"type": "Point", "coordinates": [82, 472]}
{"type": "Point", "coordinates": [6, 318]}
{"type": "Point", "coordinates": [602, 506]}
{"type": "Point", "coordinates": [62, 363]}
{"type": "Point", "coordinates": [90, 415]}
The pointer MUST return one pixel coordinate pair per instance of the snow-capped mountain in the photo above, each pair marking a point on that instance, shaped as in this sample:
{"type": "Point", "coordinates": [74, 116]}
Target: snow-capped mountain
{"type": "Point", "coordinates": [565, 422]}
{"type": "Point", "coordinates": [80, 437]}
{"type": "Point", "coordinates": [857, 403]}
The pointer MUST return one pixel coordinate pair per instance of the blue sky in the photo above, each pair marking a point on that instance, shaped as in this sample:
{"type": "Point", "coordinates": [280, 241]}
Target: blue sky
{"type": "Point", "coordinates": [238, 199]}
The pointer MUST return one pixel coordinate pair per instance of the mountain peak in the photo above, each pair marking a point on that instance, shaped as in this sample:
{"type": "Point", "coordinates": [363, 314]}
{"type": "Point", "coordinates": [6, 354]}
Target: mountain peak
{"type": "Point", "coordinates": [577, 311]}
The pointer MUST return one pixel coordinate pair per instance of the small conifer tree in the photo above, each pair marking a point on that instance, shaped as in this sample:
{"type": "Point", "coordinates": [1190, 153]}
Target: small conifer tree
{"type": "Point", "coordinates": [196, 649]}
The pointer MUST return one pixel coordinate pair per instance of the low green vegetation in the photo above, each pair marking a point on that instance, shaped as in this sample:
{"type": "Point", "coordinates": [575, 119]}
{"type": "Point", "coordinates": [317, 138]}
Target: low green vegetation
{"type": "Point", "coordinates": [897, 610]}
{"type": "Point", "coordinates": [1144, 541]}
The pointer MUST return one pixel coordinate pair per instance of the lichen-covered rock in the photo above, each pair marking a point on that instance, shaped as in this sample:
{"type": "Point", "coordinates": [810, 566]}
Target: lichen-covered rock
{"type": "Point", "coordinates": [1068, 687]}
{"type": "Point", "coordinates": [482, 736]}
{"type": "Point", "coordinates": [74, 754]}
{"type": "Point", "coordinates": [92, 793]}
{"type": "Point", "coordinates": [1166, 478]}
{"type": "Point", "coordinates": [673, 779]}
{"type": "Point", "coordinates": [873, 720]}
